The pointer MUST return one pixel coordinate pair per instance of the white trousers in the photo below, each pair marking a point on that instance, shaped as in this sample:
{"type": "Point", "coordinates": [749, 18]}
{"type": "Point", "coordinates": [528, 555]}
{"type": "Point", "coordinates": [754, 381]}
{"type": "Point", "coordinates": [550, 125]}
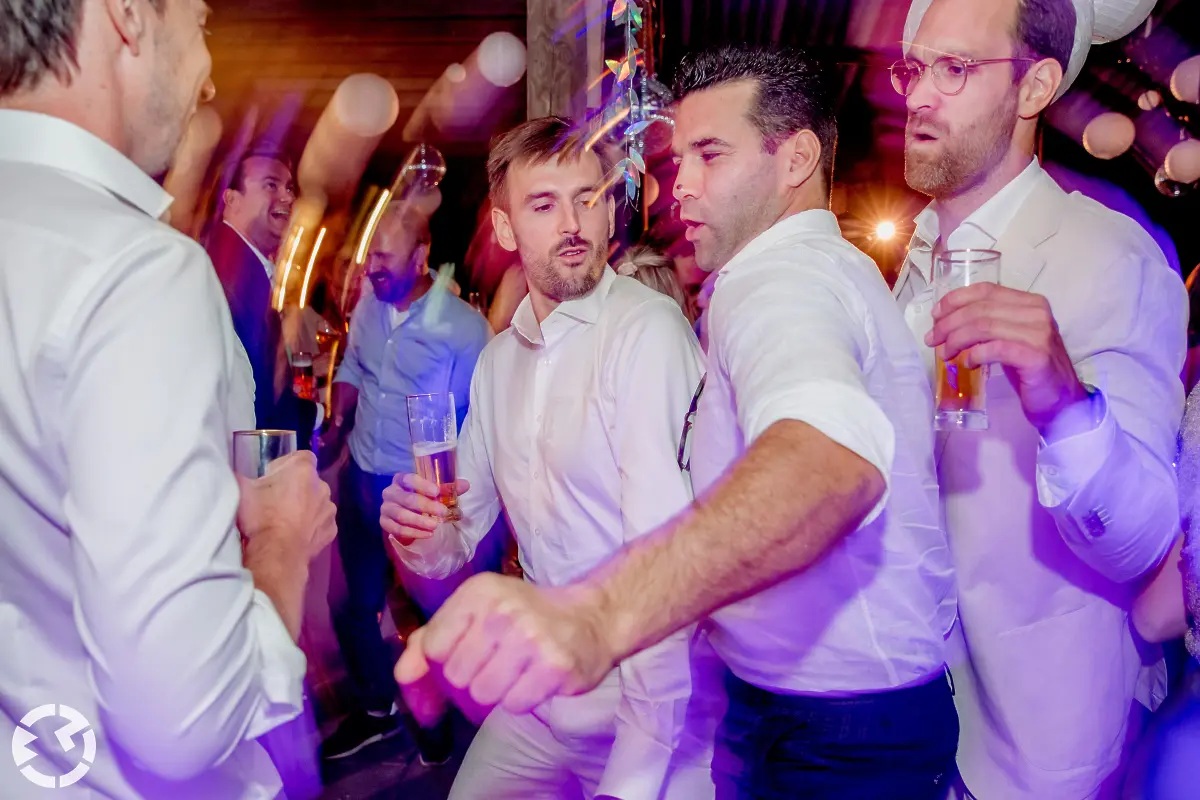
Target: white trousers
{"type": "Point", "coordinates": [560, 751]}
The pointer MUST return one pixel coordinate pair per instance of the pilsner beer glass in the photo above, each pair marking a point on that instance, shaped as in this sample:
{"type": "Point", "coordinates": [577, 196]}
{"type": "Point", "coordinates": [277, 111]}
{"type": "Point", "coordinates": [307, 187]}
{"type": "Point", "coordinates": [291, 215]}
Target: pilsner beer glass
{"type": "Point", "coordinates": [960, 399]}
{"type": "Point", "coordinates": [253, 451]}
{"type": "Point", "coordinates": [434, 431]}
{"type": "Point", "coordinates": [304, 383]}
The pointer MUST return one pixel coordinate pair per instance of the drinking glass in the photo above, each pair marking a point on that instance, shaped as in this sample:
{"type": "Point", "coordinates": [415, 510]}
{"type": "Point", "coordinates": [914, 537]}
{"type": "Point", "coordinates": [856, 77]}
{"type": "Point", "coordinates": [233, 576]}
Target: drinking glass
{"type": "Point", "coordinates": [960, 397]}
{"type": "Point", "coordinates": [433, 427]}
{"type": "Point", "coordinates": [253, 451]}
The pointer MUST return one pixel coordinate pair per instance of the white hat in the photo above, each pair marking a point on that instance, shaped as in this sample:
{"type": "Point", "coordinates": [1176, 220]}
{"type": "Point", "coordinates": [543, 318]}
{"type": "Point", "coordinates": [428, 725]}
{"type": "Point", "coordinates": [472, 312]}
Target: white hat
{"type": "Point", "coordinates": [1096, 22]}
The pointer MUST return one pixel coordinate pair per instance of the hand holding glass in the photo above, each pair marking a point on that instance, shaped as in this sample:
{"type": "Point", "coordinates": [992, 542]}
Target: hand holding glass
{"type": "Point", "coordinates": [960, 397]}
{"type": "Point", "coordinates": [433, 427]}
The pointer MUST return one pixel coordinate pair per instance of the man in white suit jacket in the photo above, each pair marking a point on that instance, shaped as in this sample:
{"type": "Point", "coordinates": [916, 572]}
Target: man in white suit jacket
{"type": "Point", "coordinates": [1058, 509]}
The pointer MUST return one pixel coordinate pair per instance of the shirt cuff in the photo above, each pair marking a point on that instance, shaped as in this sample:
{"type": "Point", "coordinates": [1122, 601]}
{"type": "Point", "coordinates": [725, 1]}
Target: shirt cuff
{"type": "Point", "coordinates": [283, 669]}
{"type": "Point", "coordinates": [637, 765]}
{"type": "Point", "coordinates": [1065, 466]}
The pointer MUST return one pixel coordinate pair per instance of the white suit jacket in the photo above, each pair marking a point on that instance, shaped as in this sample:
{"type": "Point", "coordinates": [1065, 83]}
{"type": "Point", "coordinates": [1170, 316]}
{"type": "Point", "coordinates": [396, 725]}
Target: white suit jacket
{"type": "Point", "coordinates": [1044, 661]}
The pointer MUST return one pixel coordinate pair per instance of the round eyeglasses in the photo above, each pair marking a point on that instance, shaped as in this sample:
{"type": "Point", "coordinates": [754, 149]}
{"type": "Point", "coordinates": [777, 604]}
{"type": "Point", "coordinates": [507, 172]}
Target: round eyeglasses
{"type": "Point", "coordinates": [949, 72]}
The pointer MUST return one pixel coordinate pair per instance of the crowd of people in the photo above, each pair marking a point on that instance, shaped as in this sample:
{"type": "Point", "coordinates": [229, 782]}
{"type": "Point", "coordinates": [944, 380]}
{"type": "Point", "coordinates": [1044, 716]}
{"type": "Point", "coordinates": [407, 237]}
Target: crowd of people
{"type": "Point", "coordinates": [749, 564]}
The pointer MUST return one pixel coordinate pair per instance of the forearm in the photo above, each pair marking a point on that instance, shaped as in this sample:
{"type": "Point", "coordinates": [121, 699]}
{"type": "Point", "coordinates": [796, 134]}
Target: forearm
{"type": "Point", "coordinates": [1158, 613]}
{"type": "Point", "coordinates": [792, 497]}
{"type": "Point", "coordinates": [281, 573]}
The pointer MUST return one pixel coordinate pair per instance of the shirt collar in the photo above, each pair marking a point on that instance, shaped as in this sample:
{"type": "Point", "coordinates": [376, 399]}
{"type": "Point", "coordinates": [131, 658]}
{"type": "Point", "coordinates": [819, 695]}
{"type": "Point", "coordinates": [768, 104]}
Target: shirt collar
{"type": "Point", "coordinates": [267, 263]}
{"type": "Point", "coordinates": [585, 309]}
{"type": "Point", "coordinates": [991, 219]}
{"type": "Point", "coordinates": [814, 222]}
{"type": "Point", "coordinates": [47, 141]}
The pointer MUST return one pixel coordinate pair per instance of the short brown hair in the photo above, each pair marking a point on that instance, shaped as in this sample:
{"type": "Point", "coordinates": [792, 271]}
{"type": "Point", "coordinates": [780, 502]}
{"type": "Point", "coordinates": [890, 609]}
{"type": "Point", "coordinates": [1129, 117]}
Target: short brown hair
{"type": "Point", "coordinates": [536, 142]}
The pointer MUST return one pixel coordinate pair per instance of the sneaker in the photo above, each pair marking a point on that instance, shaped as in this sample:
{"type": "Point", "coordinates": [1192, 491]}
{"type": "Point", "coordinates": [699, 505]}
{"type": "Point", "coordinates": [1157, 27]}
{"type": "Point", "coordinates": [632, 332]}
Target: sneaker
{"type": "Point", "coordinates": [360, 729]}
{"type": "Point", "coordinates": [435, 744]}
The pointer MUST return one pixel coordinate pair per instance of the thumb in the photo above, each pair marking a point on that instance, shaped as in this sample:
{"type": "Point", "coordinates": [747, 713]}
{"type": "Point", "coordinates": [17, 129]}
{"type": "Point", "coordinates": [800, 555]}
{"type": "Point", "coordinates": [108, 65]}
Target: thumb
{"type": "Point", "coordinates": [462, 486]}
{"type": "Point", "coordinates": [418, 685]}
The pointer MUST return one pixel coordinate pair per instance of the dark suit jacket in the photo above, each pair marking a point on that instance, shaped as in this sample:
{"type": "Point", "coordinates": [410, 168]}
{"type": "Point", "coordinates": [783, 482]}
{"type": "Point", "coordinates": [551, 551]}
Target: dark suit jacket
{"type": "Point", "coordinates": [248, 290]}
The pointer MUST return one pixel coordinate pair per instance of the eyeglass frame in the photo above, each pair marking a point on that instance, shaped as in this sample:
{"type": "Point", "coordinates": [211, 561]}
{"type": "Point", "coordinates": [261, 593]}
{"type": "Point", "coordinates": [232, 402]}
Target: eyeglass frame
{"type": "Point", "coordinates": [967, 63]}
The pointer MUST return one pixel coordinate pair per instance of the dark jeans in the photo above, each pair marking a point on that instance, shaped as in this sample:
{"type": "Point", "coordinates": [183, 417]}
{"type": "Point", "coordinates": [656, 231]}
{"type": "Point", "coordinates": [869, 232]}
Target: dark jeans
{"type": "Point", "coordinates": [898, 745]}
{"type": "Point", "coordinates": [369, 577]}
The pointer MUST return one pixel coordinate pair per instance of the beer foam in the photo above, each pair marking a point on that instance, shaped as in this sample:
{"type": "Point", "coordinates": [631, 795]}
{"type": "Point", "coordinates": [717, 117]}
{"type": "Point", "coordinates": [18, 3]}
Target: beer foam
{"type": "Point", "coordinates": [431, 448]}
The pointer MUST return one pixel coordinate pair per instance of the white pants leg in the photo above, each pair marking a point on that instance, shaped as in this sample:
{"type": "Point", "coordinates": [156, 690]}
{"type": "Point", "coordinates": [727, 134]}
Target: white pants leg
{"type": "Point", "coordinates": [512, 758]}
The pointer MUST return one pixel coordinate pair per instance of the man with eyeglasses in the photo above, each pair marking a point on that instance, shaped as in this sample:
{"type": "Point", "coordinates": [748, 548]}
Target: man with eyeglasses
{"type": "Point", "coordinates": [1069, 499]}
{"type": "Point", "coordinates": [575, 414]}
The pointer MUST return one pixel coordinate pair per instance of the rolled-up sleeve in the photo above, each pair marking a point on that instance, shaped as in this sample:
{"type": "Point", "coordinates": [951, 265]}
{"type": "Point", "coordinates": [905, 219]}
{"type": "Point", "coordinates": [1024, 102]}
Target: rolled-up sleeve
{"type": "Point", "coordinates": [1112, 490]}
{"type": "Point", "coordinates": [794, 343]}
{"type": "Point", "coordinates": [652, 374]}
{"type": "Point", "coordinates": [188, 659]}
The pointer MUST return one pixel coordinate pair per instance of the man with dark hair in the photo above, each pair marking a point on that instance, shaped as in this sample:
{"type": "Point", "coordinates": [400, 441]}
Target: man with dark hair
{"type": "Point", "coordinates": [134, 620]}
{"type": "Point", "coordinates": [816, 547]}
{"type": "Point", "coordinates": [1058, 511]}
{"type": "Point", "coordinates": [409, 335]}
{"type": "Point", "coordinates": [256, 208]}
{"type": "Point", "coordinates": [575, 413]}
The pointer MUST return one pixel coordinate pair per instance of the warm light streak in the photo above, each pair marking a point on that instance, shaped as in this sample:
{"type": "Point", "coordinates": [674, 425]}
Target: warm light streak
{"type": "Point", "coordinates": [308, 271]}
{"type": "Point", "coordinates": [369, 231]}
{"type": "Point", "coordinates": [287, 270]}
{"type": "Point", "coordinates": [605, 128]}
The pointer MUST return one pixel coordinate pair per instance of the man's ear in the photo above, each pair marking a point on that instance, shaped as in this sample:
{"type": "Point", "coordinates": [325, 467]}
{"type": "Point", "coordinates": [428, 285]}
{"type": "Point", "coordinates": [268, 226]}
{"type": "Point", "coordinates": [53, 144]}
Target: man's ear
{"type": "Point", "coordinates": [504, 231]}
{"type": "Point", "coordinates": [1038, 88]}
{"type": "Point", "coordinates": [129, 19]}
{"type": "Point", "coordinates": [803, 157]}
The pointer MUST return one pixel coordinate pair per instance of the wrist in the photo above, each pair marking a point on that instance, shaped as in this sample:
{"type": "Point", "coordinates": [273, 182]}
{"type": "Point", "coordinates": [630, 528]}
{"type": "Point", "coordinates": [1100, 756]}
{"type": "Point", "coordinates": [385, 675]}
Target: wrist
{"type": "Point", "coordinates": [616, 634]}
{"type": "Point", "coordinates": [1082, 413]}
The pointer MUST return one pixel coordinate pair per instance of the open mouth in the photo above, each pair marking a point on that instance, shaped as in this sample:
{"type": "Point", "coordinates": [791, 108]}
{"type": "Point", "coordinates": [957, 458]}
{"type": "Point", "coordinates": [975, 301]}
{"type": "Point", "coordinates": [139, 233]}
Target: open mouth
{"type": "Point", "coordinates": [692, 226]}
{"type": "Point", "coordinates": [280, 214]}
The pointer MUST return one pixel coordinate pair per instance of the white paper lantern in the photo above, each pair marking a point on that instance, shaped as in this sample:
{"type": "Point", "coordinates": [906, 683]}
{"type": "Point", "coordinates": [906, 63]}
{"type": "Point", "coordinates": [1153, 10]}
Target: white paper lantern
{"type": "Point", "coordinates": [502, 58]}
{"type": "Point", "coordinates": [1109, 135]}
{"type": "Point", "coordinates": [1118, 18]}
{"type": "Point", "coordinates": [1185, 80]}
{"type": "Point", "coordinates": [366, 105]}
{"type": "Point", "coordinates": [1182, 163]}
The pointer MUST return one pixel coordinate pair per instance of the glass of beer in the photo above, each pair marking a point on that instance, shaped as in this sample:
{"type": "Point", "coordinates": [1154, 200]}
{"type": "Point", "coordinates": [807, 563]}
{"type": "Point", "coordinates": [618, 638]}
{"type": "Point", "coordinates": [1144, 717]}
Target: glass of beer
{"type": "Point", "coordinates": [434, 430]}
{"type": "Point", "coordinates": [960, 398]}
{"type": "Point", "coordinates": [303, 381]}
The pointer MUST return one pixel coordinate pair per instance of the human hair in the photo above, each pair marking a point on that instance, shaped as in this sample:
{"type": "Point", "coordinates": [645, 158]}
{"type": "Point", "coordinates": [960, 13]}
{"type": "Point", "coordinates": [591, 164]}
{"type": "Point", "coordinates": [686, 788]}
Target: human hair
{"type": "Point", "coordinates": [1043, 29]}
{"type": "Point", "coordinates": [792, 94]}
{"type": "Point", "coordinates": [650, 267]}
{"type": "Point", "coordinates": [237, 181]}
{"type": "Point", "coordinates": [401, 214]}
{"type": "Point", "coordinates": [40, 38]}
{"type": "Point", "coordinates": [532, 143]}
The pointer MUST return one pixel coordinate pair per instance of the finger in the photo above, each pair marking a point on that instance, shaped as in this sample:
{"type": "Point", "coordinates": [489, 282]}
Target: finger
{"type": "Point", "coordinates": [416, 483]}
{"type": "Point", "coordinates": [398, 520]}
{"type": "Point", "coordinates": [418, 685]}
{"type": "Point", "coordinates": [448, 626]}
{"type": "Point", "coordinates": [1009, 354]}
{"type": "Point", "coordinates": [476, 650]}
{"type": "Point", "coordinates": [977, 292]}
{"type": "Point", "coordinates": [462, 486]}
{"type": "Point", "coordinates": [537, 684]}
{"type": "Point", "coordinates": [415, 502]}
{"type": "Point", "coordinates": [973, 334]}
{"type": "Point", "coordinates": [992, 320]}
{"type": "Point", "coordinates": [498, 676]}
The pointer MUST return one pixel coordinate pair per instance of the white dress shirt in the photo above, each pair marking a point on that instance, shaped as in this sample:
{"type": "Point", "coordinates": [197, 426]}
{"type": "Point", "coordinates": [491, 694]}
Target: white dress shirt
{"type": "Point", "coordinates": [122, 591]}
{"type": "Point", "coordinates": [574, 426]}
{"type": "Point", "coordinates": [802, 327]}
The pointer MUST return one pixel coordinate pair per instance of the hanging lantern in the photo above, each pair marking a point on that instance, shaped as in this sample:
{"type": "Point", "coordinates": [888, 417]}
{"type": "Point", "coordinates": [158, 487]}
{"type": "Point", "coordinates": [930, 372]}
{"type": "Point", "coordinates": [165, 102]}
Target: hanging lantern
{"type": "Point", "coordinates": [1116, 19]}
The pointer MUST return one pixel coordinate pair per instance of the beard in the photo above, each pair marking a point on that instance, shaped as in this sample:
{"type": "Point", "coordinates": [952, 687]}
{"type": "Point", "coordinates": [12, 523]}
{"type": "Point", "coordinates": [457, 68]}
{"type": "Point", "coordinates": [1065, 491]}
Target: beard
{"type": "Point", "coordinates": [567, 283]}
{"type": "Point", "coordinates": [964, 159]}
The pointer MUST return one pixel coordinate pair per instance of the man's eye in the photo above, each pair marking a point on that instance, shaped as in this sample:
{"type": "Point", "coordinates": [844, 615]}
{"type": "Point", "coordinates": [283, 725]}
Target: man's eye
{"type": "Point", "coordinates": [706, 157]}
{"type": "Point", "coordinates": [541, 208]}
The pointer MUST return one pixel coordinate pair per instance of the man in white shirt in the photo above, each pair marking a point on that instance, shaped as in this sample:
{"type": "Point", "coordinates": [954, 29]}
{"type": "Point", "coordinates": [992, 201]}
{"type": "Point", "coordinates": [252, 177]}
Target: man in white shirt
{"type": "Point", "coordinates": [127, 603]}
{"type": "Point", "coordinates": [573, 426]}
{"type": "Point", "coordinates": [816, 542]}
{"type": "Point", "coordinates": [1055, 512]}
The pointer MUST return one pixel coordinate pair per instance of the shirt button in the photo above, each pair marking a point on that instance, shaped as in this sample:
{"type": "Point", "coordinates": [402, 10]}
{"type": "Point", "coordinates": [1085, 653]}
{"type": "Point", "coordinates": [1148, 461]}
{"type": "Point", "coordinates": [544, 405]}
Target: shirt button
{"type": "Point", "coordinates": [537, 531]}
{"type": "Point", "coordinates": [537, 475]}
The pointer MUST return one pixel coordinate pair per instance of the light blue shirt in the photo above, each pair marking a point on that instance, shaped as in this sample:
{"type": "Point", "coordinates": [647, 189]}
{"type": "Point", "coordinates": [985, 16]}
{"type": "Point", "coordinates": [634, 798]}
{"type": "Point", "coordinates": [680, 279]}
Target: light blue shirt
{"type": "Point", "coordinates": [434, 349]}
